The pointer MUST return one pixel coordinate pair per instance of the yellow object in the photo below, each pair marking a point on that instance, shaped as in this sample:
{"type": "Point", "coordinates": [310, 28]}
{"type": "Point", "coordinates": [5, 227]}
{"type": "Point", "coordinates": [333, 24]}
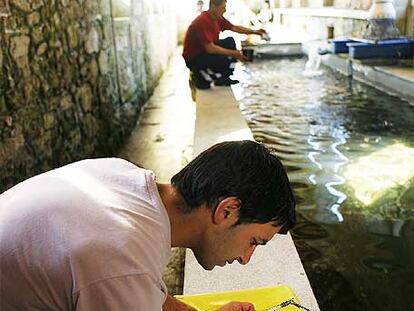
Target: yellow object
{"type": "Point", "coordinates": [263, 298]}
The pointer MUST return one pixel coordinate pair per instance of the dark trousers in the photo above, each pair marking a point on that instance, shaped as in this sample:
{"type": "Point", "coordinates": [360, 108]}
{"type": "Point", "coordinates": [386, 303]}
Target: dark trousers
{"type": "Point", "coordinates": [215, 62]}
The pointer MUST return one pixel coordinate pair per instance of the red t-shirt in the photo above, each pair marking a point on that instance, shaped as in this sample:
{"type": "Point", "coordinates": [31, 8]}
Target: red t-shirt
{"type": "Point", "coordinates": [204, 29]}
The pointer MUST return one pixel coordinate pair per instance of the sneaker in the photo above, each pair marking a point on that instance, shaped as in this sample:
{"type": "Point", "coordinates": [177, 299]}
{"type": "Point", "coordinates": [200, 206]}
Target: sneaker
{"type": "Point", "coordinates": [225, 81]}
{"type": "Point", "coordinates": [199, 82]}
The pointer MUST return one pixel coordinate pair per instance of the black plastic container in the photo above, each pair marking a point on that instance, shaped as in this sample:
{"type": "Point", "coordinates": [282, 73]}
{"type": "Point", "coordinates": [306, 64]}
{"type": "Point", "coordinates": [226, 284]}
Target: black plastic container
{"type": "Point", "coordinates": [249, 54]}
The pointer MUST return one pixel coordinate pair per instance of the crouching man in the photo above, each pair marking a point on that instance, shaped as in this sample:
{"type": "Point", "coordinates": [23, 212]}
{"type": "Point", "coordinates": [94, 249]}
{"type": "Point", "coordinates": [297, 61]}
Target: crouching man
{"type": "Point", "coordinates": [208, 58]}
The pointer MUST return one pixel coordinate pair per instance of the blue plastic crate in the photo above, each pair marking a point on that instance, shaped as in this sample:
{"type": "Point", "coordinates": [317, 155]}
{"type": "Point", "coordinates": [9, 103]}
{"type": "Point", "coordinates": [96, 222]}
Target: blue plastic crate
{"type": "Point", "coordinates": [339, 45]}
{"type": "Point", "coordinates": [401, 48]}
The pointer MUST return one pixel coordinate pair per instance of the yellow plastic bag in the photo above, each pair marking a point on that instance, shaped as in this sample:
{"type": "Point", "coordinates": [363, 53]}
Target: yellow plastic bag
{"type": "Point", "coordinates": [263, 298]}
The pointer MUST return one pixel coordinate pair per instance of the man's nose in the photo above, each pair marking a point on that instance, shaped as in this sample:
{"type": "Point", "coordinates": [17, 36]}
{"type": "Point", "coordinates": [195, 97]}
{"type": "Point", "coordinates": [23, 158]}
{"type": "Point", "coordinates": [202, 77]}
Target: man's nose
{"type": "Point", "coordinates": [244, 260]}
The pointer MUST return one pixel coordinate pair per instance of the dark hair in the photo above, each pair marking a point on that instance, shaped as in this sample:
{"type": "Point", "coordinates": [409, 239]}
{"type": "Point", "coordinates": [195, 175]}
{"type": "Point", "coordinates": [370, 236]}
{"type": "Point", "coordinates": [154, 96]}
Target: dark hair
{"type": "Point", "coordinates": [246, 170]}
{"type": "Point", "coordinates": [216, 2]}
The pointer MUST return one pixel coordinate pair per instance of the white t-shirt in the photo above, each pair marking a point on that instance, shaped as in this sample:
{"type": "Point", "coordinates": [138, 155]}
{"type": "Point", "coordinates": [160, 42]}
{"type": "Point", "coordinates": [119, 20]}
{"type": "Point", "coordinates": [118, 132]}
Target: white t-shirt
{"type": "Point", "coordinates": [92, 235]}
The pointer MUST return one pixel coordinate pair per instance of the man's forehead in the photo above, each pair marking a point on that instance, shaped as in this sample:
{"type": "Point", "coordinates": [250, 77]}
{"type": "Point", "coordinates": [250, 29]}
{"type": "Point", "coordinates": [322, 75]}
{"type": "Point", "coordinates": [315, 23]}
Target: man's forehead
{"type": "Point", "coordinates": [266, 231]}
{"type": "Point", "coordinates": [276, 230]}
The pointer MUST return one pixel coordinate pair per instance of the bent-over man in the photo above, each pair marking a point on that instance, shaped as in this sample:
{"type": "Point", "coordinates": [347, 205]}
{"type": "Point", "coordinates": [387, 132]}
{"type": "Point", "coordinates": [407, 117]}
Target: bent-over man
{"type": "Point", "coordinates": [96, 234]}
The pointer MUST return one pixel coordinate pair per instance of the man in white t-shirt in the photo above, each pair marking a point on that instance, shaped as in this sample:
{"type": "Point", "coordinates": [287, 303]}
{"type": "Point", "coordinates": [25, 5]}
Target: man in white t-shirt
{"type": "Point", "coordinates": [96, 234]}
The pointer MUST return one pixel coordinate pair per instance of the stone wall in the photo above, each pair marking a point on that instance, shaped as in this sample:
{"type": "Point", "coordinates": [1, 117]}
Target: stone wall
{"type": "Point", "coordinates": [74, 78]}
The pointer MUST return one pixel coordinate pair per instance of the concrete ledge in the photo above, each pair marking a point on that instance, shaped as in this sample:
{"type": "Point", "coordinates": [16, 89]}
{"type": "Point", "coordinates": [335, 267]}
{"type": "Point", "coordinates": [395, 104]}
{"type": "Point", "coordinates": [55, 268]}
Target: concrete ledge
{"type": "Point", "coordinates": [218, 118]}
{"type": "Point", "coordinates": [338, 62]}
{"type": "Point", "coordinates": [398, 81]}
{"type": "Point", "coordinates": [271, 50]}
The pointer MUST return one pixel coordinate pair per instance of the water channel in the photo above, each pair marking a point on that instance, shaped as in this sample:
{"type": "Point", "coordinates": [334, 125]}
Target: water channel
{"type": "Point", "coordinates": [349, 152]}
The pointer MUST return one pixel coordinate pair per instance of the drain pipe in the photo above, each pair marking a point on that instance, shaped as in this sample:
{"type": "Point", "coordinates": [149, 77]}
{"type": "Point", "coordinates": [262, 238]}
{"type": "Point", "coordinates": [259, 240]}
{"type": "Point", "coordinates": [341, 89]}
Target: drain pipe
{"type": "Point", "coordinates": [349, 68]}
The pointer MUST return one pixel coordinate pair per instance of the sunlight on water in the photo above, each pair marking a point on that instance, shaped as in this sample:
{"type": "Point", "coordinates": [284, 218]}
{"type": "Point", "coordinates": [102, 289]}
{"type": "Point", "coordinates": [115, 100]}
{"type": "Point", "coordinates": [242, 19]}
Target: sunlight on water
{"type": "Point", "coordinates": [372, 175]}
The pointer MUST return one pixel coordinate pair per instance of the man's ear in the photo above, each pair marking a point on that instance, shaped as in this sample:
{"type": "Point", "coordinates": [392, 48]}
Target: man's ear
{"type": "Point", "coordinates": [227, 211]}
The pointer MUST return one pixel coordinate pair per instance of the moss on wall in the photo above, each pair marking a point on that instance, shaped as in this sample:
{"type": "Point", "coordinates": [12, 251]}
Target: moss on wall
{"type": "Point", "coordinates": [74, 79]}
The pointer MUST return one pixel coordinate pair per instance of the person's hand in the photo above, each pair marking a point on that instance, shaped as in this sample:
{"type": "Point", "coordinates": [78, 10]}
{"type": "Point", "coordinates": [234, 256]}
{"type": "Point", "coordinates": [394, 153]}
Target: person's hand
{"type": "Point", "coordinates": [259, 32]}
{"type": "Point", "coordinates": [237, 306]}
{"type": "Point", "coordinates": [239, 55]}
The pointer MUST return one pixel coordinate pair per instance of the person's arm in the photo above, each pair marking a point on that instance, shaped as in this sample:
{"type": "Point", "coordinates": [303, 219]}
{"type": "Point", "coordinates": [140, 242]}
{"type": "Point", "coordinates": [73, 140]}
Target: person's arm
{"type": "Point", "coordinates": [172, 304]}
{"type": "Point", "coordinates": [212, 48]}
{"type": "Point", "coordinates": [247, 31]}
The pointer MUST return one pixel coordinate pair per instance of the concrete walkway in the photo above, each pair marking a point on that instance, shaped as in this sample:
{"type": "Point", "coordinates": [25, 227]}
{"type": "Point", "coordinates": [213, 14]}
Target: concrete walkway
{"type": "Point", "coordinates": [163, 138]}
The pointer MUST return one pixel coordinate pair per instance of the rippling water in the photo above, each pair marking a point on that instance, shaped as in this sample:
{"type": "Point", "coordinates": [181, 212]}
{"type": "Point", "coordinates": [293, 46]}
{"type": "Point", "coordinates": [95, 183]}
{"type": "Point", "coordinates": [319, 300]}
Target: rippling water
{"type": "Point", "coordinates": [349, 152]}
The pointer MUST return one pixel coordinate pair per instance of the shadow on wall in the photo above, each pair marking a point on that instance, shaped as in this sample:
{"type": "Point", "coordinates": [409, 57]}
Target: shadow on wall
{"type": "Point", "coordinates": [74, 77]}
